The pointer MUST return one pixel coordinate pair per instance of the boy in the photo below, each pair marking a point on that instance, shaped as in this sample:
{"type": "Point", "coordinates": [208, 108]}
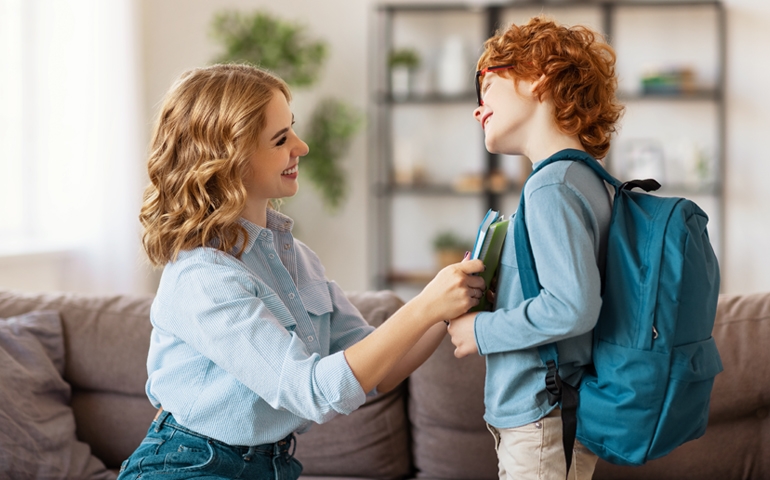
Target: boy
{"type": "Point", "coordinates": [544, 88]}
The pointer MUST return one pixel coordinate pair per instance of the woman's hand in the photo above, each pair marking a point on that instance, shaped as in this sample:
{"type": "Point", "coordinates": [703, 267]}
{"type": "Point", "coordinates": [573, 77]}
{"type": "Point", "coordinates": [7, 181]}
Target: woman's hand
{"type": "Point", "coordinates": [389, 354]}
{"type": "Point", "coordinates": [453, 291]}
{"type": "Point", "coordinates": [463, 335]}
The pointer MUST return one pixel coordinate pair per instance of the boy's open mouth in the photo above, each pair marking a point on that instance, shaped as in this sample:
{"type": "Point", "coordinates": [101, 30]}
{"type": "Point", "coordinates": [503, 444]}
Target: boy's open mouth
{"type": "Point", "coordinates": [485, 120]}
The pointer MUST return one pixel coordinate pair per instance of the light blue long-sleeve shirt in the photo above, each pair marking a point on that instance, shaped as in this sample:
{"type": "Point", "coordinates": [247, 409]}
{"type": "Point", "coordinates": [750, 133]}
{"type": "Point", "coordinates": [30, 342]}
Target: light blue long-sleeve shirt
{"type": "Point", "coordinates": [568, 214]}
{"type": "Point", "coordinates": [247, 351]}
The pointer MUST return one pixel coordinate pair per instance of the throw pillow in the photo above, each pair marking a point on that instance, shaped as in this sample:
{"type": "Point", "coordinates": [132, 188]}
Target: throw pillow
{"type": "Point", "coordinates": [37, 427]}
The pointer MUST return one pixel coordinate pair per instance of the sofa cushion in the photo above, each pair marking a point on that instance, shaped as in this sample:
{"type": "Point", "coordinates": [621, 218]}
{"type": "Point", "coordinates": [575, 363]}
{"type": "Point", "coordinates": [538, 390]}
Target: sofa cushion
{"type": "Point", "coordinates": [446, 408]}
{"type": "Point", "coordinates": [106, 339]}
{"type": "Point", "coordinates": [37, 426]}
{"type": "Point", "coordinates": [742, 335]}
{"type": "Point", "coordinates": [373, 441]}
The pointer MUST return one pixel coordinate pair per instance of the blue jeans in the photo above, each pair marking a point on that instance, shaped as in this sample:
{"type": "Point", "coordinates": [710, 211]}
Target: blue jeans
{"type": "Point", "coordinates": [172, 452]}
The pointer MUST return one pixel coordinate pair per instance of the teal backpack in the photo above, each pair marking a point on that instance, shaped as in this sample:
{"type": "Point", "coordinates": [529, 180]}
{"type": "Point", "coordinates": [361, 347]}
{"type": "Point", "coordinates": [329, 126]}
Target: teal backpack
{"type": "Point", "coordinates": [654, 359]}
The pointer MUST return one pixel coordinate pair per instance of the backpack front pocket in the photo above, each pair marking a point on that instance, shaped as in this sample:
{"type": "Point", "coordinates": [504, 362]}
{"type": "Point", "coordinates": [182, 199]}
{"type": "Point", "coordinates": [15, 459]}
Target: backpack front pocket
{"type": "Point", "coordinates": [686, 406]}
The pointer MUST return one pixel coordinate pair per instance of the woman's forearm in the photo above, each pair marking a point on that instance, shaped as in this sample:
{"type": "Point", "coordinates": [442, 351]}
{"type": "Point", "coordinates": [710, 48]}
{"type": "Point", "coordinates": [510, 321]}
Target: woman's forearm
{"type": "Point", "coordinates": [415, 357]}
{"type": "Point", "coordinates": [452, 292]}
{"type": "Point", "coordinates": [373, 358]}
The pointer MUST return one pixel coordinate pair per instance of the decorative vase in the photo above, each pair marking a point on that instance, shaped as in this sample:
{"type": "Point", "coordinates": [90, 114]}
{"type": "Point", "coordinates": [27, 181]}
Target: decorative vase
{"type": "Point", "coordinates": [452, 68]}
{"type": "Point", "coordinates": [401, 81]}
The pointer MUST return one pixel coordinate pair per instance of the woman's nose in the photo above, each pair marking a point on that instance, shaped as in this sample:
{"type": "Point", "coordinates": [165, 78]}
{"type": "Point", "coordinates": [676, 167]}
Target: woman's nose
{"type": "Point", "coordinates": [301, 149]}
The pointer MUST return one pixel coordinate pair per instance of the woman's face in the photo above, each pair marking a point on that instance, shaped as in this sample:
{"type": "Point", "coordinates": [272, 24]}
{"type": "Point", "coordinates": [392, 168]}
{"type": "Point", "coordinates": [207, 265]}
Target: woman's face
{"type": "Point", "coordinates": [275, 162]}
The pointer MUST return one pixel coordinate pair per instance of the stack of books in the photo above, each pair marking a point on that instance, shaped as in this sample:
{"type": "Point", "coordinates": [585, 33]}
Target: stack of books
{"type": "Point", "coordinates": [488, 246]}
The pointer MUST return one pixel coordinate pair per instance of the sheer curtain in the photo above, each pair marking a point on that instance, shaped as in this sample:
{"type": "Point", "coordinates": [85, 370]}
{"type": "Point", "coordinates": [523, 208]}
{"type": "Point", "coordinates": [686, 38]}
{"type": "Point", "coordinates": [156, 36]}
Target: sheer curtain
{"type": "Point", "coordinates": [72, 146]}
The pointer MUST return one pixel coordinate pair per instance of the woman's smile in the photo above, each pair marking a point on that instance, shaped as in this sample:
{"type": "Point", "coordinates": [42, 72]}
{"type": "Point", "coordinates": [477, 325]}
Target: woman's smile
{"type": "Point", "coordinates": [291, 172]}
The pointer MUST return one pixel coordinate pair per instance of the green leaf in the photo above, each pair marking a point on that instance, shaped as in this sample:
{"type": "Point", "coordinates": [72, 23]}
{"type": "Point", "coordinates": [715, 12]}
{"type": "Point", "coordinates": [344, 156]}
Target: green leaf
{"type": "Point", "coordinates": [330, 133]}
{"type": "Point", "coordinates": [271, 43]}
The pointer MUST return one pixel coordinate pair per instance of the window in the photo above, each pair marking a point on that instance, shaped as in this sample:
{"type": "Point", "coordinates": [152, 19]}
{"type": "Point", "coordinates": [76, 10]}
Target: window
{"type": "Point", "coordinates": [70, 136]}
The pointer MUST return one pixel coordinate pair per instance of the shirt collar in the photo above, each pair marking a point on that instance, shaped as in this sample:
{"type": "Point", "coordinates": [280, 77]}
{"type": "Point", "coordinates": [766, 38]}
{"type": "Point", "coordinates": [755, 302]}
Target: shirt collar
{"type": "Point", "coordinates": [276, 222]}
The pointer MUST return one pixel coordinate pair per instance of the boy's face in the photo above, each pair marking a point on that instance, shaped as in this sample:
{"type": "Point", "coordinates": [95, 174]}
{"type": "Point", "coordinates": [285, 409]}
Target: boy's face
{"type": "Point", "coordinates": [507, 113]}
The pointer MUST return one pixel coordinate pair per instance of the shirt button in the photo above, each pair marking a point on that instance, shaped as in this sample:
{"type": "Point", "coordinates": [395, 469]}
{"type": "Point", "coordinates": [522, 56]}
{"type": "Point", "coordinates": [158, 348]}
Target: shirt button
{"type": "Point", "coordinates": [271, 256]}
{"type": "Point", "coordinates": [264, 234]}
{"type": "Point", "coordinates": [286, 246]}
{"type": "Point", "coordinates": [291, 295]}
{"type": "Point", "coordinates": [310, 338]}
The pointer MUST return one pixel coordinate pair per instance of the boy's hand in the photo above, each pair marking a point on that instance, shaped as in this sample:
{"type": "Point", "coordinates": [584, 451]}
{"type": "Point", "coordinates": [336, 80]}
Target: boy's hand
{"type": "Point", "coordinates": [463, 335]}
{"type": "Point", "coordinates": [491, 294]}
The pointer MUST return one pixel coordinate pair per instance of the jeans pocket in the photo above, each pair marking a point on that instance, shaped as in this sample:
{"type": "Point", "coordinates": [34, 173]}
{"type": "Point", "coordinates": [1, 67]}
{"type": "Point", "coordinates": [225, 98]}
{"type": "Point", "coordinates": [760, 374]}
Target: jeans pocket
{"type": "Point", "coordinates": [180, 456]}
{"type": "Point", "coordinates": [188, 458]}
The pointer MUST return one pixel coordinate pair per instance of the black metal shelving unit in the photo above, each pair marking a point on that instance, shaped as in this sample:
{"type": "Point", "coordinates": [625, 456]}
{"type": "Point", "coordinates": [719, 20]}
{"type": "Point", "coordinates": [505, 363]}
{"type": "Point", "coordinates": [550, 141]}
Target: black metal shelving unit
{"type": "Point", "coordinates": [383, 103]}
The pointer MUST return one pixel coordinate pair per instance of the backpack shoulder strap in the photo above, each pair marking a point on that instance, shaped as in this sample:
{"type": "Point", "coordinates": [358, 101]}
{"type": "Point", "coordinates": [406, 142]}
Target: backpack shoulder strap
{"type": "Point", "coordinates": [557, 390]}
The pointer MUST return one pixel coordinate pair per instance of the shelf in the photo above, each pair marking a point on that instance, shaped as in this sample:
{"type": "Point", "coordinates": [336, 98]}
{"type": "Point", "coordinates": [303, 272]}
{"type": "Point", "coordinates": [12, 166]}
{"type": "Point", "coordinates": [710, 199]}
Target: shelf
{"type": "Point", "coordinates": [440, 190]}
{"type": "Point", "coordinates": [393, 203]}
{"type": "Point", "coordinates": [703, 95]}
{"type": "Point", "coordinates": [433, 7]}
{"type": "Point", "coordinates": [679, 190]}
{"type": "Point", "coordinates": [411, 278]}
{"type": "Point", "coordinates": [430, 7]}
{"type": "Point", "coordinates": [427, 98]}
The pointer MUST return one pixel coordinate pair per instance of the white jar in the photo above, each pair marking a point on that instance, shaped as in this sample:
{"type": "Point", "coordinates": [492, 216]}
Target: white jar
{"type": "Point", "coordinates": [453, 73]}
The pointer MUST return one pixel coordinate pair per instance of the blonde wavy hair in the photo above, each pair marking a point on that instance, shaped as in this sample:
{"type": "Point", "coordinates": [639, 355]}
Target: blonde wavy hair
{"type": "Point", "coordinates": [579, 75]}
{"type": "Point", "coordinates": [207, 129]}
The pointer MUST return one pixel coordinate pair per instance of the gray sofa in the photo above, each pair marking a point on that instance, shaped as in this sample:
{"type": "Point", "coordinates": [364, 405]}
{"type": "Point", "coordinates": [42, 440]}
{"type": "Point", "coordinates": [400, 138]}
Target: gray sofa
{"type": "Point", "coordinates": [430, 427]}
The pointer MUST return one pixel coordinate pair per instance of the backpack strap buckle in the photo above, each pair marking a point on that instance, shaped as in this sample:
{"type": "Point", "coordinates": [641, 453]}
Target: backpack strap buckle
{"type": "Point", "coordinates": [553, 383]}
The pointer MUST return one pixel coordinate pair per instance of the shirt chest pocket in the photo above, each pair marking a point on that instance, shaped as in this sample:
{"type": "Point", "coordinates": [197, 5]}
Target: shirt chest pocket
{"type": "Point", "coordinates": [317, 301]}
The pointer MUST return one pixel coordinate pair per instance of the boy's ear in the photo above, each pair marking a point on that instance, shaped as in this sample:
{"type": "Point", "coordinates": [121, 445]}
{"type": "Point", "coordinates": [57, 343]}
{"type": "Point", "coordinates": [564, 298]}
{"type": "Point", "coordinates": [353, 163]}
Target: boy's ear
{"type": "Point", "coordinates": [536, 83]}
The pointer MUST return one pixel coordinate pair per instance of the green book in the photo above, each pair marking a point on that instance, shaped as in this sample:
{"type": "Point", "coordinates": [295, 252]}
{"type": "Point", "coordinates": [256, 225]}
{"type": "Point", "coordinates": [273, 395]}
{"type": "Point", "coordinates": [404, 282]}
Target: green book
{"type": "Point", "coordinates": [489, 245]}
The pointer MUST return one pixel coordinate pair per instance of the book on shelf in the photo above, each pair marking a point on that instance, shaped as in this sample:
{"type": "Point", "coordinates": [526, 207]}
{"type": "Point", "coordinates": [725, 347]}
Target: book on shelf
{"type": "Point", "coordinates": [488, 247]}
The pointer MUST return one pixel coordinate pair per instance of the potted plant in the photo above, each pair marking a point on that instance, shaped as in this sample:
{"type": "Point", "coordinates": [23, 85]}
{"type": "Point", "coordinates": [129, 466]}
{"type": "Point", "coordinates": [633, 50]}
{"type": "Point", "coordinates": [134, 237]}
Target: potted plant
{"type": "Point", "coordinates": [285, 48]}
{"type": "Point", "coordinates": [449, 248]}
{"type": "Point", "coordinates": [402, 62]}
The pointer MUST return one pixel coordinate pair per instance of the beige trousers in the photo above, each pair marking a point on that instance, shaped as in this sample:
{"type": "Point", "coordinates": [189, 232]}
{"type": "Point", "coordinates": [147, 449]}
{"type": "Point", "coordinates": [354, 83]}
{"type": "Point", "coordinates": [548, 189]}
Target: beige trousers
{"type": "Point", "coordinates": [535, 452]}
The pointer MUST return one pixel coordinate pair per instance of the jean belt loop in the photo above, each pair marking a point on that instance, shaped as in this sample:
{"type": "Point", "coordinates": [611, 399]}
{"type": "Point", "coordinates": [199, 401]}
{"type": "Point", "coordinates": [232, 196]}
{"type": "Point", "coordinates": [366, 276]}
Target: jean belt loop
{"type": "Point", "coordinates": [293, 442]}
{"type": "Point", "coordinates": [161, 420]}
{"type": "Point", "coordinates": [281, 448]}
{"type": "Point", "coordinates": [248, 455]}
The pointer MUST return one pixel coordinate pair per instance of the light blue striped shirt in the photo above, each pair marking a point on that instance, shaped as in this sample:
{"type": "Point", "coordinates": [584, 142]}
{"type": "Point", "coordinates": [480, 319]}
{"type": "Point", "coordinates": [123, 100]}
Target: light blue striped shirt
{"type": "Point", "coordinates": [247, 351]}
{"type": "Point", "coordinates": [568, 215]}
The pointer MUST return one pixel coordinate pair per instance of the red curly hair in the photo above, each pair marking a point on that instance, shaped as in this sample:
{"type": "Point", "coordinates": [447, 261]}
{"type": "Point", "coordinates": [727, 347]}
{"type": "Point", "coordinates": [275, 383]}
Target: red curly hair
{"type": "Point", "coordinates": [579, 75]}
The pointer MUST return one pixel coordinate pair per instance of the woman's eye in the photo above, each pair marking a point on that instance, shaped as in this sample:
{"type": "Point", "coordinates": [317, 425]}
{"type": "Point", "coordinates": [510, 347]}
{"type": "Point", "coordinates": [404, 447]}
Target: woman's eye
{"type": "Point", "coordinates": [281, 142]}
